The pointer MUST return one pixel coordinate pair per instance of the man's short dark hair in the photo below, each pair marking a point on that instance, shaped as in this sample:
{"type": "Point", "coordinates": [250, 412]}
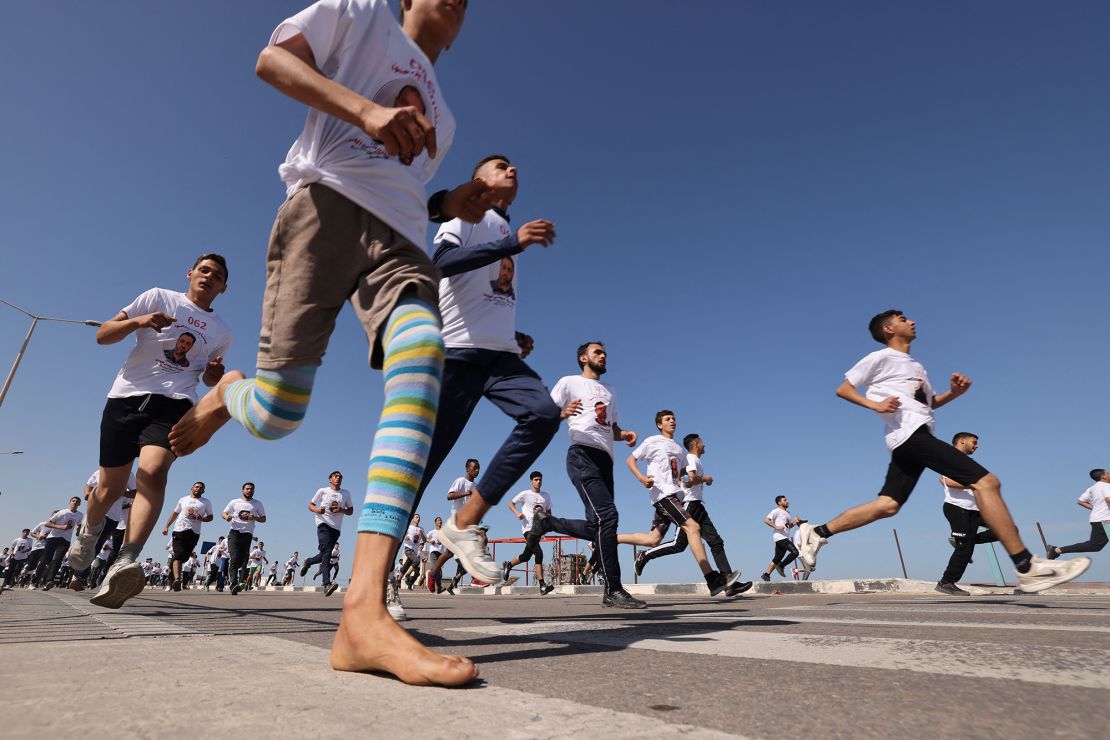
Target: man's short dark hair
{"type": "Point", "coordinates": [249, 483]}
{"type": "Point", "coordinates": [26, 530]}
{"type": "Point", "coordinates": [660, 414]}
{"type": "Point", "coordinates": [689, 439]}
{"type": "Point", "coordinates": [778, 499]}
{"type": "Point", "coordinates": [471, 460]}
{"type": "Point", "coordinates": [217, 258]}
{"type": "Point", "coordinates": [334, 473]}
{"type": "Point", "coordinates": [1096, 474]}
{"type": "Point", "coordinates": [583, 349]}
{"type": "Point", "coordinates": [963, 435]}
{"type": "Point", "coordinates": [188, 334]}
{"type": "Point", "coordinates": [488, 158]}
{"type": "Point", "coordinates": [879, 322]}
{"type": "Point", "coordinates": [535, 474]}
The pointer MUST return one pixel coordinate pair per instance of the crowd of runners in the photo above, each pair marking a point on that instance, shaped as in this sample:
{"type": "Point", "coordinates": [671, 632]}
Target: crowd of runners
{"type": "Point", "coordinates": [442, 328]}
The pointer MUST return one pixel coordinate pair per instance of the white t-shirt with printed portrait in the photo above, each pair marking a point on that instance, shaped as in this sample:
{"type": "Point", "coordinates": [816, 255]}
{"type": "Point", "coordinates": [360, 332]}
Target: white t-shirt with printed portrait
{"type": "Point", "coordinates": [291, 563]}
{"type": "Point", "coordinates": [888, 372]}
{"type": "Point", "coordinates": [216, 552]}
{"type": "Point", "coordinates": [41, 530]}
{"type": "Point", "coordinates": [695, 492]}
{"type": "Point", "coordinates": [666, 459]}
{"type": "Point", "coordinates": [434, 543]}
{"type": "Point", "coordinates": [172, 361]}
{"type": "Point", "coordinates": [256, 557]}
{"type": "Point", "coordinates": [360, 45]}
{"type": "Point", "coordinates": [780, 518]}
{"type": "Point", "coordinates": [122, 503]}
{"type": "Point", "coordinates": [593, 425]}
{"type": "Point", "coordinates": [479, 306]}
{"type": "Point", "coordinates": [961, 497]}
{"type": "Point", "coordinates": [64, 517]}
{"type": "Point", "coordinates": [189, 565]}
{"type": "Point", "coordinates": [239, 508]}
{"type": "Point", "coordinates": [1096, 497]}
{"type": "Point", "coordinates": [461, 485]}
{"type": "Point", "coordinates": [526, 502]}
{"type": "Point", "coordinates": [201, 506]}
{"type": "Point", "coordinates": [335, 504]}
{"type": "Point", "coordinates": [21, 548]}
{"type": "Point", "coordinates": [414, 538]}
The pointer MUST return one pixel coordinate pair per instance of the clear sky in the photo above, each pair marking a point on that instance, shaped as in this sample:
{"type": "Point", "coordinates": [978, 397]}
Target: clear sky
{"type": "Point", "coordinates": [737, 186]}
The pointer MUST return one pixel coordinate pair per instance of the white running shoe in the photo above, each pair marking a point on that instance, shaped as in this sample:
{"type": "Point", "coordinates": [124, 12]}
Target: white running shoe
{"type": "Point", "coordinates": [83, 548]}
{"type": "Point", "coordinates": [1044, 574]}
{"type": "Point", "coordinates": [467, 547]}
{"type": "Point", "coordinates": [121, 584]}
{"type": "Point", "coordinates": [811, 543]}
{"type": "Point", "coordinates": [393, 602]}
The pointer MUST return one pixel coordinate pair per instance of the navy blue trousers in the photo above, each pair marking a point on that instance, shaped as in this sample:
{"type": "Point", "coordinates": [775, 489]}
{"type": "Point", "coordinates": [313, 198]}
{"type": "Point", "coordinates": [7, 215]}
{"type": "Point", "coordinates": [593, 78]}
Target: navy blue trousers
{"type": "Point", "coordinates": [326, 537]}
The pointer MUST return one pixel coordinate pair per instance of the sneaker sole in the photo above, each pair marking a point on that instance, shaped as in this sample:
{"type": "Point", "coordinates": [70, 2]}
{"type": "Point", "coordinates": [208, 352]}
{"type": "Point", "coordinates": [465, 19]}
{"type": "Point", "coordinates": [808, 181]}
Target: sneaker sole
{"type": "Point", "coordinates": [733, 578]}
{"type": "Point", "coordinates": [741, 590]}
{"type": "Point", "coordinates": [398, 615]}
{"type": "Point", "coordinates": [125, 584]}
{"type": "Point", "coordinates": [1048, 583]}
{"type": "Point", "coordinates": [469, 565]}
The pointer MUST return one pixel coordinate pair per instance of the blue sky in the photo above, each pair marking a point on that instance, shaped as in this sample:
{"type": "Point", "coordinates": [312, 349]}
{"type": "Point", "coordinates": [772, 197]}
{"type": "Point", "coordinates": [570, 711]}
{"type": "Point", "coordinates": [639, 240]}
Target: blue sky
{"type": "Point", "coordinates": [737, 188]}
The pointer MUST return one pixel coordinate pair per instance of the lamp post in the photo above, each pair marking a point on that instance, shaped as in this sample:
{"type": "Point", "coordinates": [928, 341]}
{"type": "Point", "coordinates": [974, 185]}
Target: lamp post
{"type": "Point", "coordinates": [34, 322]}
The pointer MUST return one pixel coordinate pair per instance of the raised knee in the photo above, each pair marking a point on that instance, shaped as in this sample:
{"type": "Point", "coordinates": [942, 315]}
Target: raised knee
{"type": "Point", "coordinates": [888, 507]}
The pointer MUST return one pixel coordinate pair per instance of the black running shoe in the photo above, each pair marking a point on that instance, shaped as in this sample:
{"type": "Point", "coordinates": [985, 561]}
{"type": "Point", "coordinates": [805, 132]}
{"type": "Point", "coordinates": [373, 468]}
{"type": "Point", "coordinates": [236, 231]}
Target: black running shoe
{"type": "Point", "coordinates": [506, 569]}
{"type": "Point", "coordinates": [1052, 554]}
{"type": "Point", "coordinates": [622, 600]}
{"type": "Point", "coordinates": [766, 576]}
{"type": "Point", "coordinates": [330, 588]}
{"type": "Point", "coordinates": [951, 589]}
{"type": "Point", "coordinates": [738, 588]}
{"type": "Point", "coordinates": [640, 564]}
{"type": "Point", "coordinates": [546, 588]}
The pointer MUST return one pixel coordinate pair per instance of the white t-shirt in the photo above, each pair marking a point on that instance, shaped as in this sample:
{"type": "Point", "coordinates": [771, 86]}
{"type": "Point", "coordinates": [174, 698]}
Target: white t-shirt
{"type": "Point", "coordinates": [414, 538]}
{"type": "Point", "coordinates": [116, 512]}
{"type": "Point", "coordinates": [359, 44]}
{"type": "Point", "coordinates": [40, 529]}
{"type": "Point", "coordinates": [780, 518]}
{"type": "Point", "coordinates": [962, 497]}
{"type": "Point", "coordinates": [273, 569]}
{"type": "Point", "coordinates": [216, 552]}
{"type": "Point", "coordinates": [526, 502]}
{"type": "Point", "coordinates": [202, 508]}
{"type": "Point", "coordinates": [256, 557]}
{"type": "Point", "coordinates": [291, 564]}
{"type": "Point", "coordinates": [479, 306]}
{"type": "Point", "coordinates": [666, 459]}
{"type": "Point", "coordinates": [105, 551]}
{"type": "Point", "coordinates": [335, 554]}
{"type": "Point", "coordinates": [189, 565]}
{"type": "Point", "coordinates": [148, 567]}
{"type": "Point", "coordinates": [888, 372]}
{"type": "Point", "coordinates": [459, 486]}
{"type": "Point", "coordinates": [1096, 497]}
{"type": "Point", "coordinates": [72, 518]}
{"type": "Point", "coordinates": [335, 503]}
{"type": "Point", "coordinates": [240, 507]}
{"type": "Point", "coordinates": [695, 492]}
{"type": "Point", "coordinates": [434, 543]}
{"type": "Point", "coordinates": [170, 362]}
{"type": "Point", "coordinates": [593, 426]}
{"type": "Point", "coordinates": [21, 548]}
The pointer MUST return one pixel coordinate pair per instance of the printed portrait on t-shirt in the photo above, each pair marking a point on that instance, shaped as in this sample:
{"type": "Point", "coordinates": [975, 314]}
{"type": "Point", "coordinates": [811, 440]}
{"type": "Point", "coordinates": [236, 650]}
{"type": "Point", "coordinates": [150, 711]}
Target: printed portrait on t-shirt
{"type": "Point", "coordinates": [394, 94]}
{"type": "Point", "coordinates": [244, 515]}
{"type": "Point", "coordinates": [177, 356]}
{"type": "Point", "coordinates": [601, 413]}
{"type": "Point", "coordinates": [674, 469]}
{"type": "Point", "coordinates": [919, 394]}
{"type": "Point", "coordinates": [502, 277]}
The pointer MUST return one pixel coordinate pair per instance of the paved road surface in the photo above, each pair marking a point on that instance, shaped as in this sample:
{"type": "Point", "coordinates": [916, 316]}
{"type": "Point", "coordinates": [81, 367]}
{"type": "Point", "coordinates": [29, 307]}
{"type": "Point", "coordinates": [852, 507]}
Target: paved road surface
{"type": "Point", "coordinates": [853, 666]}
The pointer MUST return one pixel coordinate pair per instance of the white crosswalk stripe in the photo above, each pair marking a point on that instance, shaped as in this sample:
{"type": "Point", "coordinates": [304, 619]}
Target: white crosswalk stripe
{"type": "Point", "coordinates": [906, 623]}
{"type": "Point", "coordinates": [130, 625]}
{"type": "Point", "coordinates": [1058, 666]}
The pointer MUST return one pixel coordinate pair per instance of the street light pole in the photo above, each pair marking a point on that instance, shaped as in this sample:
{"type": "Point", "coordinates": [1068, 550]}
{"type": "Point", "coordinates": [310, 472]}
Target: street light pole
{"type": "Point", "coordinates": [23, 349]}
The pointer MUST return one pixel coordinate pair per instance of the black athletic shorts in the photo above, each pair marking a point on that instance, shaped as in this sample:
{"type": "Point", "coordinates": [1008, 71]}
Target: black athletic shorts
{"type": "Point", "coordinates": [922, 450]}
{"type": "Point", "coordinates": [131, 423]}
{"type": "Point", "coordinates": [669, 510]}
{"type": "Point", "coordinates": [184, 542]}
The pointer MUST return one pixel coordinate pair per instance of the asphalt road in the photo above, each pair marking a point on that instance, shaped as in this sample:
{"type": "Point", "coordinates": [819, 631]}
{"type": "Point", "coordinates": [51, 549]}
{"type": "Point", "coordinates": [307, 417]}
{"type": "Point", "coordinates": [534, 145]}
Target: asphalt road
{"type": "Point", "coordinates": [860, 665]}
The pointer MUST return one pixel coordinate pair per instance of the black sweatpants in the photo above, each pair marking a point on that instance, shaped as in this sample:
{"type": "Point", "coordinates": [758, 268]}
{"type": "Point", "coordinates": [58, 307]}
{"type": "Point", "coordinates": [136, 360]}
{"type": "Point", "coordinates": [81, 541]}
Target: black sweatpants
{"type": "Point", "coordinates": [1097, 542]}
{"type": "Point", "coordinates": [697, 512]}
{"type": "Point", "coordinates": [965, 525]}
{"type": "Point", "coordinates": [591, 472]}
{"type": "Point", "coordinates": [52, 556]}
{"type": "Point", "coordinates": [238, 550]}
{"type": "Point", "coordinates": [782, 548]}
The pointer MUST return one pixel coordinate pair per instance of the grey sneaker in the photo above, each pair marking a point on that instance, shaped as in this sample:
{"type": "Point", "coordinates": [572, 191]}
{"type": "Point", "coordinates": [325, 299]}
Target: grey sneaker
{"type": "Point", "coordinates": [121, 584]}
{"type": "Point", "coordinates": [951, 589]}
{"type": "Point", "coordinates": [1052, 552]}
{"type": "Point", "coordinates": [640, 564]}
{"type": "Point", "coordinates": [466, 545]}
{"type": "Point", "coordinates": [393, 602]}
{"type": "Point", "coordinates": [330, 588]}
{"type": "Point", "coordinates": [720, 582]}
{"type": "Point", "coordinates": [622, 600]}
{"type": "Point", "coordinates": [811, 543]}
{"type": "Point", "coordinates": [1045, 574]}
{"type": "Point", "coordinates": [781, 570]}
{"type": "Point", "coordinates": [83, 548]}
{"type": "Point", "coordinates": [738, 588]}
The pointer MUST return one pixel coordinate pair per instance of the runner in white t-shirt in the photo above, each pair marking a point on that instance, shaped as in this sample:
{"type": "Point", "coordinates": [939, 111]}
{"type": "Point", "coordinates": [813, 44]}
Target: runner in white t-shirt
{"type": "Point", "coordinates": [291, 566]}
{"type": "Point", "coordinates": [666, 467]}
{"type": "Point", "coordinates": [115, 523]}
{"type": "Point", "coordinates": [188, 569]}
{"type": "Point", "coordinates": [212, 558]}
{"type": "Point", "coordinates": [781, 521]}
{"type": "Point", "coordinates": [964, 520]}
{"type": "Point", "coordinates": [898, 389]}
{"type": "Point", "coordinates": [242, 513]}
{"type": "Point", "coordinates": [458, 494]}
{"type": "Point", "coordinates": [186, 518]}
{"type": "Point", "coordinates": [17, 558]}
{"type": "Point", "coordinates": [485, 354]}
{"type": "Point", "coordinates": [258, 556]}
{"type": "Point", "coordinates": [354, 222]}
{"type": "Point", "coordinates": [179, 342]}
{"type": "Point", "coordinates": [411, 547]}
{"type": "Point", "coordinates": [436, 551]}
{"type": "Point", "coordinates": [59, 528]}
{"type": "Point", "coordinates": [330, 504]}
{"type": "Point", "coordinates": [1097, 500]}
{"type": "Point", "coordinates": [534, 503]}
{"type": "Point", "coordinates": [590, 408]}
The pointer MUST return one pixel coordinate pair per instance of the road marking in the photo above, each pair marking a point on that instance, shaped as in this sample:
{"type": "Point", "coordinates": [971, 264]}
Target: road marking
{"type": "Point", "coordinates": [904, 623]}
{"type": "Point", "coordinates": [1057, 666]}
{"type": "Point", "coordinates": [129, 625]}
{"type": "Point", "coordinates": [1006, 609]}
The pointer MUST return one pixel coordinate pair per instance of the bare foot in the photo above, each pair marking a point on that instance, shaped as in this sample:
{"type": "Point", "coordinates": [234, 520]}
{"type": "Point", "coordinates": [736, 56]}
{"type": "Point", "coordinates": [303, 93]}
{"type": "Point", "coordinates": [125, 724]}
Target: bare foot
{"type": "Point", "coordinates": [368, 643]}
{"type": "Point", "coordinates": [203, 420]}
